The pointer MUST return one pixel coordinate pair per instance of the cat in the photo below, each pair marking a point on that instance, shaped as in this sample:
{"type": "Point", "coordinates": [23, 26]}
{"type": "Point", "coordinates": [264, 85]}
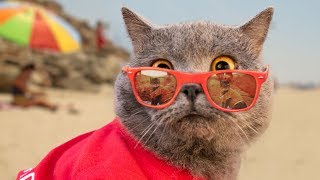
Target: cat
{"type": "Point", "coordinates": [190, 138]}
{"type": "Point", "coordinates": [190, 133]}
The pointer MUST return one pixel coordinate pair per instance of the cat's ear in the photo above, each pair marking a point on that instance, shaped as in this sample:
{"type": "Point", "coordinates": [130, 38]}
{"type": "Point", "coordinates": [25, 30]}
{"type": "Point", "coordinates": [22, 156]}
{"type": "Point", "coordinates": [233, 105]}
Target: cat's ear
{"type": "Point", "coordinates": [138, 28]}
{"type": "Point", "coordinates": [257, 28]}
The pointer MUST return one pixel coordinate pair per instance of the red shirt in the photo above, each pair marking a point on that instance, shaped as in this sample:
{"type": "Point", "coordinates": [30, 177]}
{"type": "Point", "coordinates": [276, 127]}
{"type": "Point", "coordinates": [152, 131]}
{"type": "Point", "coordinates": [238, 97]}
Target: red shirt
{"type": "Point", "coordinates": [106, 153]}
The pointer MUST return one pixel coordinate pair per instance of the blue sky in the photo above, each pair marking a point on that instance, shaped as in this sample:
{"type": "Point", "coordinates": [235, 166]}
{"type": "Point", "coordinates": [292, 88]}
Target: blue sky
{"type": "Point", "coordinates": [292, 48]}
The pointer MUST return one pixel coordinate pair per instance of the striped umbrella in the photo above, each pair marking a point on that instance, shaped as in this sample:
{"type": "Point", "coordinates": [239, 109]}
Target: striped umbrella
{"type": "Point", "coordinates": [31, 25]}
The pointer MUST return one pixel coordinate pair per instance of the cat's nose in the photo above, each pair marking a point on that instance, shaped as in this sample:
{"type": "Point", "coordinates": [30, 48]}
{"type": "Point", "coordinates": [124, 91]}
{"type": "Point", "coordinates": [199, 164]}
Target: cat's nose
{"type": "Point", "coordinates": [191, 91]}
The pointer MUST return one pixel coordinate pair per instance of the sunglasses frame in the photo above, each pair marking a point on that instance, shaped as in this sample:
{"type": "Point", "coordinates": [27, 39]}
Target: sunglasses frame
{"type": "Point", "coordinates": [198, 78]}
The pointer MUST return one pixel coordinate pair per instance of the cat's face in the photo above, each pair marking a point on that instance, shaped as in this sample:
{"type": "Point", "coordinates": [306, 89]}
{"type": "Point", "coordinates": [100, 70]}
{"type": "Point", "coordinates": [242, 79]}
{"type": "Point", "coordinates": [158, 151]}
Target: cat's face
{"type": "Point", "coordinates": [193, 47]}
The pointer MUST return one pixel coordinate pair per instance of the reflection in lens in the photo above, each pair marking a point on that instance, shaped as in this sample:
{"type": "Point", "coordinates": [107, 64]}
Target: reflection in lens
{"type": "Point", "coordinates": [232, 90]}
{"type": "Point", "coordinates": [155, 87]}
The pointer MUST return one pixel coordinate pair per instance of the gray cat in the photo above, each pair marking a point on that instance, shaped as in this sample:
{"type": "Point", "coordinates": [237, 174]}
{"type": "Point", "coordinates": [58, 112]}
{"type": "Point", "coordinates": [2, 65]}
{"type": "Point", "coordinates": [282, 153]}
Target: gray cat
{"type": "Point", "coordinates": [167, 129]}
{"type": "Point", "coordinates": [190, 133]}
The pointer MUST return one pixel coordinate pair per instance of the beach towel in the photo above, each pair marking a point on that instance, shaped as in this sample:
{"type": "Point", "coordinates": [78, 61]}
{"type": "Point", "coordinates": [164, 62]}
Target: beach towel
{"type": "Point", "coordinates": [6, 106]}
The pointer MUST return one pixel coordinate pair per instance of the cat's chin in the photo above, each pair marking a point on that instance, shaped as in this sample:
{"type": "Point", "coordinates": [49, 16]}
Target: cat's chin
{"type": "Point", "coordinates": [193, 125]}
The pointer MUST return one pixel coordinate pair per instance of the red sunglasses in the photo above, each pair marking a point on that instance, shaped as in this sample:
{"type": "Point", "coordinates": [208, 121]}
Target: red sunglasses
{"type": "Point", "coordinates": [226, 90]}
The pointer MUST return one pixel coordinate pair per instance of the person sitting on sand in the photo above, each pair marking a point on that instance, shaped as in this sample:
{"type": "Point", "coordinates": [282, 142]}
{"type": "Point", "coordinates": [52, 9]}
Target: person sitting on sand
{"type": "Point", "coordinates": [25, 97]}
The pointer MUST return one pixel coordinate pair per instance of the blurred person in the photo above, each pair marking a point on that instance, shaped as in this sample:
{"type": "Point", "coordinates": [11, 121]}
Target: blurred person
{"type": "Point", "coordinates": [100, 37]}
{"type": "Point", "coordinates": [156, 92]}
{"type": "Point", "coordinates": [25, 95]}
{"type": "Point", "coordinates": [231, 98]}
{"type": "Point", "coordinates": [162, 94]}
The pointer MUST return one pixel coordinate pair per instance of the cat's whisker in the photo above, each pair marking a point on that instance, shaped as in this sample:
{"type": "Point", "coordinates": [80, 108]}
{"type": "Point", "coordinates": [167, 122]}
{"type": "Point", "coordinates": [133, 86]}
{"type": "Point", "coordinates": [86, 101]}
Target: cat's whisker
{"type": "Point", "coordinates": [234, 128]}
{"type": "Point", "coordinates": [145, 132]}
{"type": "Point", "coordinates": [137, 112]}
{"type": "Point", "coordinates": [241, 129]}
{"type": "Point", "coordinates": [141, 122]}
{"type": "Point", "coordinates": [152, 133]}
{"type": "Point", "coordinates": [158, 124]}
{"type": "Point", "coordinates": [164, 129]}
{"type": "Point", "coordinates": [249, 126]}
{"type": "Point", "coordinates": [136, 125]}
{"type": "Point", "coordinates": [237, 133]}
{"type": "Point", "coordinates": [150, 125]}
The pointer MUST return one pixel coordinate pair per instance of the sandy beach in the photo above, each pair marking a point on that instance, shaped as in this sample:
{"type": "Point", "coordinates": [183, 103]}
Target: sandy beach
{"type": "Point", "coordinates": [288, 150]}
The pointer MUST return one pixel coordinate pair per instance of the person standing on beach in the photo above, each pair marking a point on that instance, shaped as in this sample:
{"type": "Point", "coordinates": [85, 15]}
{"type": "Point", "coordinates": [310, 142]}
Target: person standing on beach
{"type": "Point", "coordinates": [100, 38]}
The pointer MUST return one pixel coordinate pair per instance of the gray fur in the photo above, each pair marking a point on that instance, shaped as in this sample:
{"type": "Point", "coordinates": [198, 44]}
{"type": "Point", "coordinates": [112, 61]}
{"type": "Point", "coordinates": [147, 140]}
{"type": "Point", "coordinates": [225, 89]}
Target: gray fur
{"type": "Point", "coordinates": [210, 143]}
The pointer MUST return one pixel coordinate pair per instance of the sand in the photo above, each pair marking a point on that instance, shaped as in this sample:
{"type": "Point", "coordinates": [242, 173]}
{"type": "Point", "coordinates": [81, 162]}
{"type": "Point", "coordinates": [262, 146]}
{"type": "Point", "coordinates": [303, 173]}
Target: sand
{"type": "Point", "coordinates": [290, 148]}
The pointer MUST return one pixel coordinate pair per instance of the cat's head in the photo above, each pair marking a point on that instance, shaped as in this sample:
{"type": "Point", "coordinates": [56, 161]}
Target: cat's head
{"type": "Point", "coordinates": [194, 47]}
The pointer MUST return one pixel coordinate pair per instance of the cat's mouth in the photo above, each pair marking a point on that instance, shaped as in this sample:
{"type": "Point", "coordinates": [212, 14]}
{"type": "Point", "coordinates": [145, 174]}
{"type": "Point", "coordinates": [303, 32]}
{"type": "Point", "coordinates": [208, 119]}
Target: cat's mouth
{"type": "Point", "coordinates": [194, 114]}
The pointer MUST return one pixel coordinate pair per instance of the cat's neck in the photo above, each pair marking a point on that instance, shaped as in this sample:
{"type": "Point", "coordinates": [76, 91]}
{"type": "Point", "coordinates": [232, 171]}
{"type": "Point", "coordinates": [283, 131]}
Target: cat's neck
{"type": "Point", "coordinates": [200, 157]}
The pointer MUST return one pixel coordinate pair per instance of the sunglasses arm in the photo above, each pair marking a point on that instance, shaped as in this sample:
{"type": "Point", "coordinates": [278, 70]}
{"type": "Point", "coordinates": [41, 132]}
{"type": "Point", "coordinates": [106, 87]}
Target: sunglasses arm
{"type": "Point", "coordinates": [264, 75]}
{"type": "Point", "coordinates": [124, 68]}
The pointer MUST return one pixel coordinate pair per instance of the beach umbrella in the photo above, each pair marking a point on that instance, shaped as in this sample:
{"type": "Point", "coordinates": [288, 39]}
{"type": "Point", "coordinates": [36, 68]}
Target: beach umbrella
{"type": "Point", "coordinates": [36, 27]}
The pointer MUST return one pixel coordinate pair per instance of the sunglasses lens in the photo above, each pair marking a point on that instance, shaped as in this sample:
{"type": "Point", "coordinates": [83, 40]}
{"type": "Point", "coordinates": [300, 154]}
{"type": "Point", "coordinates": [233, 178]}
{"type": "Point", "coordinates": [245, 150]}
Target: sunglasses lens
{"type": "Point", "coordinates": [232, 90]}
{"type": "Point", "coordinates": [155, 87]}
